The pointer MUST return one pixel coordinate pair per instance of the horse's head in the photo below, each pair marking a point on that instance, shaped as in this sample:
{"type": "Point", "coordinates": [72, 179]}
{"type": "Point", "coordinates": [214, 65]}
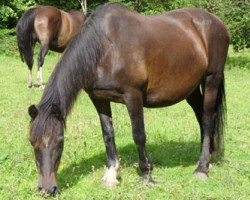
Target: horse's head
{"type": "Point", "coordinates": [46, 137]}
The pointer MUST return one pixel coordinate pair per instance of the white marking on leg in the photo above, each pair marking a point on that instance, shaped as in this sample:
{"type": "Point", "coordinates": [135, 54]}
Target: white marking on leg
{"type": "Point", "coordinates": [110, 178]}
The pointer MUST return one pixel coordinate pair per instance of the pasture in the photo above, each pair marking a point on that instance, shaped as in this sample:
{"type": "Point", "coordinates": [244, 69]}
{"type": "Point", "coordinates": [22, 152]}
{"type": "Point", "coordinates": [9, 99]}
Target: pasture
{"type": "Point", "coordinates": [173, 143]}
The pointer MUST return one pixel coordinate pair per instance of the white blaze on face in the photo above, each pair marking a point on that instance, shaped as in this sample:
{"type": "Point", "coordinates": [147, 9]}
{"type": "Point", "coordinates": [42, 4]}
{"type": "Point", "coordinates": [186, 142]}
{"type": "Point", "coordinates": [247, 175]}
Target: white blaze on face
{"type": "Point", "coordinates": [46, 142]}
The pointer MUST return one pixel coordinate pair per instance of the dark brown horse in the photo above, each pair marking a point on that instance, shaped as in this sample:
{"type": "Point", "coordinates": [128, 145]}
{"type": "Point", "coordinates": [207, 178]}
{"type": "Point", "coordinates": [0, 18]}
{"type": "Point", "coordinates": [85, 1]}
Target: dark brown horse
{"type": "Point", "coordinates": [140, 61]}
{"type": "Point", "coordinates": [51, 27]}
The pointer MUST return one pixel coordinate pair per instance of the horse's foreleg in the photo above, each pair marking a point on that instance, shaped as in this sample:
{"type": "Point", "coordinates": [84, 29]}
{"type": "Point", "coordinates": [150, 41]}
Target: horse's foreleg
{"type": "Point", "coordinates": [134, 102]}
{"type": "Point", "coordinates": [104, 111]}
{"type": "Point", "coordinates": [42, 54]}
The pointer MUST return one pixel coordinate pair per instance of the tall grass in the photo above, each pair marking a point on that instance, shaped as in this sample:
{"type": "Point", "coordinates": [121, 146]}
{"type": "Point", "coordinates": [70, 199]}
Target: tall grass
{"type": "Point", "coordinates": [173, 144]}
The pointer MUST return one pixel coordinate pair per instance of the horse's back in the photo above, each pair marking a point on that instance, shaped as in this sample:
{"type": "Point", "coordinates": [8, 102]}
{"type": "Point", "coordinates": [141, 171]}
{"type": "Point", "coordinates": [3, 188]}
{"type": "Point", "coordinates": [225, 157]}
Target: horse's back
{"type": "Point", "coordinates": [209, 26]}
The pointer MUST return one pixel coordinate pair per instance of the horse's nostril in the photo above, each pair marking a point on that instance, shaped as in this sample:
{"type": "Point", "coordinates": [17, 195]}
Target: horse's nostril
{"type": "Point", "coordinates": [39, 188]}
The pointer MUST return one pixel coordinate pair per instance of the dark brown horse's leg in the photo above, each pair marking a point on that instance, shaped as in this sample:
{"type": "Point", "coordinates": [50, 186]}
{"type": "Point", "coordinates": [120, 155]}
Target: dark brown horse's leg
{"type": "Point", "coordinates": [104, 111]}
{"type": "Point", "coordinates": [30, 83]}
{"type": "Point", "coordinates": [210, 95]}
{"type": "Point", "coordinates": [42, 54]}
{"type": "Point", "coordinates": [30, 66]}
{"type": "Point", "coordinates": [195, 100]}
{"type": "Point", "coordinates": [134, 103]}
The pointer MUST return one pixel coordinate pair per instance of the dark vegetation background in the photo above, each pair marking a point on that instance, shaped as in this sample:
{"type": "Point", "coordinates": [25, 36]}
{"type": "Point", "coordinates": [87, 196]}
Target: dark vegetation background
{"type": "Point", "coordinates": [234, 13]}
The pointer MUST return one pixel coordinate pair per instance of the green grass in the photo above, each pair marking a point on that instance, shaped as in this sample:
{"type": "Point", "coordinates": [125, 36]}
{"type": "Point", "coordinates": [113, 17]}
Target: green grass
{"type": "Point", "coordinates": [173, 144]}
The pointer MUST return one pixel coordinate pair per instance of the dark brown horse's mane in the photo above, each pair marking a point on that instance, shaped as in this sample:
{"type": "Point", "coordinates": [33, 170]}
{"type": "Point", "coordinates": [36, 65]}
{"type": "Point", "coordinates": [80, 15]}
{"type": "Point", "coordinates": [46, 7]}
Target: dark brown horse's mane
{"type": "Point", "coordinates": [77, 67]}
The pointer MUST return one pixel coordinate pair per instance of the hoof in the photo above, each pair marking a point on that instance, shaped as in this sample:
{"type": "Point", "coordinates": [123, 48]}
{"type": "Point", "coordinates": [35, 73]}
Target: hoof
{"type": "Point", "coordinates": [30, 85]}
{"type": "Point", "coordinates": [201, 175]}
{"type": "Point", "coordinates": [109, 183]}
{"type": "Point", "coordinates": [148, 180]}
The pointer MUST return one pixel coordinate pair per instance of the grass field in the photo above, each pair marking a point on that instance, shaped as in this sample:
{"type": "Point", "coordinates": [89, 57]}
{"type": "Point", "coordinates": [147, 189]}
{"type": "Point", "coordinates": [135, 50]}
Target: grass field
{"type": "Point", "coordinates": [173, 144]}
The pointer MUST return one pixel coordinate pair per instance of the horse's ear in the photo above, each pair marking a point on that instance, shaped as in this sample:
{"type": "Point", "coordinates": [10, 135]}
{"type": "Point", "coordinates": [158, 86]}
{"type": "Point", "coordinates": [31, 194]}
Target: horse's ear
{"type": "Point", "coordinates": [56, 111]}
{"type": "Point", "coordinates": [33, 112]}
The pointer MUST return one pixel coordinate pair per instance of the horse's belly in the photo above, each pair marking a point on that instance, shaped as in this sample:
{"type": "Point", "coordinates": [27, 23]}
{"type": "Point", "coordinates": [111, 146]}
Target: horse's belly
{"type": "Point", "coordinates": [167, 93]}
{"type": "Point", "coordinates": [164, 98]}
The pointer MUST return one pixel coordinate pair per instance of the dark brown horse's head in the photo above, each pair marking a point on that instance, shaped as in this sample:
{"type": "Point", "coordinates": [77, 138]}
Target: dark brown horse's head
{"type": "Point", "coordinates": [46, 137]}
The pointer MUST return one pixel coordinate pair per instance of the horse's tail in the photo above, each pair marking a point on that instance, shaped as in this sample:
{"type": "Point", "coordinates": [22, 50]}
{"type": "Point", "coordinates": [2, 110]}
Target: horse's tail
{"type": "Point", "coordinates": [219, 120]}
{"type": "Point", "coordinates": [25, 36]}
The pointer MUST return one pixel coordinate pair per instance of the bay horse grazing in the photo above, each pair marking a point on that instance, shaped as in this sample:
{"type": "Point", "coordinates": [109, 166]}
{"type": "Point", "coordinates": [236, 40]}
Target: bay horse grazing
{"type": "Point", "coordinates": [140, 61]}
{"type": "Point", "coordinates": [51, 27]}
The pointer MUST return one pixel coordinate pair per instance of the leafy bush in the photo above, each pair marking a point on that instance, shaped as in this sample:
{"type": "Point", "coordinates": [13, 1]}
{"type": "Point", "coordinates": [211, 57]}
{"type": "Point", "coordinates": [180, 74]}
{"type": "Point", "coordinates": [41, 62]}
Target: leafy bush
{"type": "Point", "coordinates": [8, 42]}
{"type": "Point", "coordinates": [236, 15]}
{"type": "Point", "coordinates": [10, 11]}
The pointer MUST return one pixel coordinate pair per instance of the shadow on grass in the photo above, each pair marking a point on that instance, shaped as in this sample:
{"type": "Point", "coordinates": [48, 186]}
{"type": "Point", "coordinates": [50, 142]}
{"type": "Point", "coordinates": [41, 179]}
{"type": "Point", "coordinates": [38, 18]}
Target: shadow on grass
{"type": "Point", "coordinates": [166, 154]}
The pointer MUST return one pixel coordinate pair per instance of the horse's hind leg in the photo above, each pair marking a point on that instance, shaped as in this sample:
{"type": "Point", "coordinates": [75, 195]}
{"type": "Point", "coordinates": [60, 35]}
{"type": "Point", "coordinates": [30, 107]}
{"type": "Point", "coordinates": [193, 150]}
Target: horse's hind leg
{"type": "Point", "coordinates": [43, 34]}
{"type": "Point", "coordinates": [30, 66]}
{"type": "Point", "coordinates": [134, 102]}
{"type": "Point", "coordinates": [212, 82]}
{"type": "Point", "coordinates": [213, 101]}
{"type": "Point", "coordinates": [42, 54]}
{"type": "Point", "coordinates": [104, 111]}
